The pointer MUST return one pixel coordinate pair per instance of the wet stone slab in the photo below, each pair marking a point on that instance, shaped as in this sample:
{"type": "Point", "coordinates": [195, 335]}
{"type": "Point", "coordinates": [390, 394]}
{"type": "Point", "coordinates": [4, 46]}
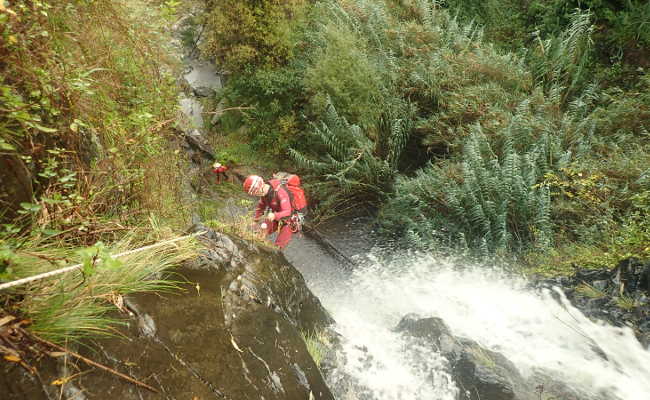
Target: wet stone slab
{"type": "Point", "coordinates": [231, 332]}
{"type": "Point", "coordinates": [203, 78]}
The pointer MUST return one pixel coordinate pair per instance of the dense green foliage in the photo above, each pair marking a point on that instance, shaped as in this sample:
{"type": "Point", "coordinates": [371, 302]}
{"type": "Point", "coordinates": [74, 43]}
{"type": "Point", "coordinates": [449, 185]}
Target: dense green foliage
{"type": "Point", "coordinates": [244, 35]}
{"type": "Point", "coordinates": [80, 91]}
{"type": "Point", "coordinates": [496, 136]}
{"type": "Point", "coordinates": [86, 103]}
{"type": "Point", "coordinates": [491, 204]}
{"type": "Point", "coordinates": [356, 167]}
{"type": "Point", "coordinates": [621, 37]}
{"type": "Point", "coordinates": [255, 41]}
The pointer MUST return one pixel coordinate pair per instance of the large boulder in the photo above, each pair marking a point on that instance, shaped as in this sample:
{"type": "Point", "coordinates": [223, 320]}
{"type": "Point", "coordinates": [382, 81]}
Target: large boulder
{"type": "Point", "coordinates": [233, 332]}
{"type": "Point", "coordinates": [480, 373]}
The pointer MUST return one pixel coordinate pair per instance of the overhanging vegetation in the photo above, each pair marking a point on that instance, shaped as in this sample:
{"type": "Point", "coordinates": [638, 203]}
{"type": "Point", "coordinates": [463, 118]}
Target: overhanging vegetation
{"type": "Point", "coordinates": [89, 164]}
{"type": "Point", "coordinates": [498, 137]}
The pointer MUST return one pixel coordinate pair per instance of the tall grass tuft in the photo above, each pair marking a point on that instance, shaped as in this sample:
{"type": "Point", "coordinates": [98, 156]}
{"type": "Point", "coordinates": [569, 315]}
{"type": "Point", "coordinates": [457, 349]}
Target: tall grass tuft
{"type": "Point", "coordinates": [78, 304]}
{"type": "Point", "coordinates": [317, 345]}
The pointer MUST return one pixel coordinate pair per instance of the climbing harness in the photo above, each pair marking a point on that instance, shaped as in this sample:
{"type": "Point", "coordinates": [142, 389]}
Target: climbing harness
{"type": "Point", "coordinates": [296, 221]}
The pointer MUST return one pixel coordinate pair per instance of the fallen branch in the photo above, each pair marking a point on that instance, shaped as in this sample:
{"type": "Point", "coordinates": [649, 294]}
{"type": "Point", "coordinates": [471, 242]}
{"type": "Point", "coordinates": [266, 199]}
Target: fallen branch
{"type": "Point", "coordinates": [161, 124]}
{"type": "Point", "coordinates": [229, 109]}
{"type": "Point", "coordinates": [94, 364]}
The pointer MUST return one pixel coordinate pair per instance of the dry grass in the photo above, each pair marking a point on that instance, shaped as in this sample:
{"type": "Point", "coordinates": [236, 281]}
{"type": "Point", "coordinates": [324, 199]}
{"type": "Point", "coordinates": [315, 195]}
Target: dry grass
{"type": "Point", "coordinates": [586, 290]}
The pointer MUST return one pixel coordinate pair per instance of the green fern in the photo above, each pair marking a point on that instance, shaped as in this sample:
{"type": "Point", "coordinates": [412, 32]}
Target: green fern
{"type": "Point", "coordinates": [493, 206]}
{"type": "Point", "coordinates": [353, 166]}
{"type": "Point", "coordinates": [559, 63]}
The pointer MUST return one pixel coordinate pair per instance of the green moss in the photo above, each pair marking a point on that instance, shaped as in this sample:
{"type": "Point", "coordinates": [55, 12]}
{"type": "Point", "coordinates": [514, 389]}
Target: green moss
{"type": "Point", "coordinates": [317, 345]}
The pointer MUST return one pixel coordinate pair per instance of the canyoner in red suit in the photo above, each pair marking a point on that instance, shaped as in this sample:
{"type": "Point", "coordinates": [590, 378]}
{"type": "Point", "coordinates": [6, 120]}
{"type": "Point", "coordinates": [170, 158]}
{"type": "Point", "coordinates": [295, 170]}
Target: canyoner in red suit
{"type": "Point", "coordinates": [274, 196]}
{"type": "Point", "coordinates": [220, 171]}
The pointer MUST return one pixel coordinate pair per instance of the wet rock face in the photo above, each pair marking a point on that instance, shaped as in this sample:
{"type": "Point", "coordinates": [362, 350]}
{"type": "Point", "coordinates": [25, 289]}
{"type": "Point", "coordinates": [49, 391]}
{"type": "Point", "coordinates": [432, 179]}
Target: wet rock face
{"type": "Point", "coordinates": [233, 332]}
{"type": "Point", "coordinates": [620, 296]}
{"type": "Point", "coordinates": [479, 373]}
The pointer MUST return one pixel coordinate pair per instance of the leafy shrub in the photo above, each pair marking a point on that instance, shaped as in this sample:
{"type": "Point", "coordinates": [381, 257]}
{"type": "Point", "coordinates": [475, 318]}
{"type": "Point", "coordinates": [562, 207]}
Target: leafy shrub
{"type": "Point", "coordinates": [271, 98]}
{"type": "Point", "coordinates": [493, 197]}
{"type": "Point", "coordinates": [246, 35]}
{"type": "Point", "coordinates": [343, 73]}
{"type": "Point", "coordinates": [504, 20]}
{"type": "Point", "coordinates": [621, 35]}
{"type": "Point", "coordinates": [624, 116]}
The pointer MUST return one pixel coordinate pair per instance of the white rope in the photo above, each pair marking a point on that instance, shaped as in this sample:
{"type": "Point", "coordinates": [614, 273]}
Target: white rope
{"type": "Point", "coordinates": [77, 266]}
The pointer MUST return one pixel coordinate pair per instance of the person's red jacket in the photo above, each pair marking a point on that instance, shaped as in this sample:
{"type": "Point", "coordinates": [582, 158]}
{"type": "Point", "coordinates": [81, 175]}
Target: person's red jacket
{"type": "Point", "coordinates": [277, 200]}
{"type": "Point", "coordinates": [221, 169]}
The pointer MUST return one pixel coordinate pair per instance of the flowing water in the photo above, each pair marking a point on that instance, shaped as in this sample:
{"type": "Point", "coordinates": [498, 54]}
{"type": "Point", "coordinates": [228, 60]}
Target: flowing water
{"type": "Point", "coordinates": [533, 329]}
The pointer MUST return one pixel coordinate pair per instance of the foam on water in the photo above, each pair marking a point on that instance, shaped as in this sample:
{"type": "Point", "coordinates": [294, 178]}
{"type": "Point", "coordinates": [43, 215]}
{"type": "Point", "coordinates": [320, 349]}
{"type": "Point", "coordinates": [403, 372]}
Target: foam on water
{"type": "Point", "coordinates": [533, 330]}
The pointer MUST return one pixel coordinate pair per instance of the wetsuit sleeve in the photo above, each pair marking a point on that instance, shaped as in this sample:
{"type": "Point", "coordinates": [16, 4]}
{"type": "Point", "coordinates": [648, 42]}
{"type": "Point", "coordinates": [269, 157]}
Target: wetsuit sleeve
{"type": "Point", "coordinates": [285, 204]}
{"type": "Point", "coordinates": [261, 207]}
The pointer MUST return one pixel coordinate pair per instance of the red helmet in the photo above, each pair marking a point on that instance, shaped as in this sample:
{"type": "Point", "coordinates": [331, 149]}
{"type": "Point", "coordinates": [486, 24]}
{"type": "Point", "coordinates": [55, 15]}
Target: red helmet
{"type": "Point", "coordinates": [253, 185]}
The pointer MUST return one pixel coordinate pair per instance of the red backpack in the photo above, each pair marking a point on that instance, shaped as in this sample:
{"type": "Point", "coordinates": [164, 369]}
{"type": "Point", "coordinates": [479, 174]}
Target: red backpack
{"type": "Point", "coordinates": [291, 183]}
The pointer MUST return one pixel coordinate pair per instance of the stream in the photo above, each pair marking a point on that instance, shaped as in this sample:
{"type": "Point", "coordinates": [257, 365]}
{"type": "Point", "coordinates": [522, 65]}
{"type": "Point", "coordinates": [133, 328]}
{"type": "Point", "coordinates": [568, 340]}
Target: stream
{"type": "Point", "coordinates": [533, 329]}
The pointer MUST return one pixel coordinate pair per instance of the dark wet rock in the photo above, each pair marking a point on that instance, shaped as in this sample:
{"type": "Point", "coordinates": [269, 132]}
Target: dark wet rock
{"type": "Point", "coordinates": [16, 186]}
{"type": "Point", "coordinates": [480, 373]}
{"type": "Point", "coordinates": [617, 296]}
{"type": "Point", "coordinates": [203, 91]}
{"type": "Point", "coordinates": [90, 148]}
{"type": "Point", "coordinates": [591, 275]}
{"type": "Point", "coordinates": [198, 145]}
{"type": "Point", "coordinates": [232, 332]}
{"type": "Point", "coordinates": [430, 328]}
{"type": "Point", "coordinates": [344, 384]}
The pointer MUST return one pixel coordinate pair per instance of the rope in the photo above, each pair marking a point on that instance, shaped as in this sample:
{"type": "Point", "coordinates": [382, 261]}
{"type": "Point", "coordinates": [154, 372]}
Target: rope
{"type": "Point", "coordinates": [63, 270]}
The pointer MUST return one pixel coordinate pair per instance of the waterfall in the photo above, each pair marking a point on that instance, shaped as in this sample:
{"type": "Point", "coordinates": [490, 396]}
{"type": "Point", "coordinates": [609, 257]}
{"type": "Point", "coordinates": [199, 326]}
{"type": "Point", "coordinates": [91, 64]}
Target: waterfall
{"type": "Point", "coordinates": [533, 329]}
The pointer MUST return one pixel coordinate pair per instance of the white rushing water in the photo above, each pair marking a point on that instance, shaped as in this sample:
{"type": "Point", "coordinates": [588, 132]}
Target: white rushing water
{"type": "Point", "coordinates": [533, 330]}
